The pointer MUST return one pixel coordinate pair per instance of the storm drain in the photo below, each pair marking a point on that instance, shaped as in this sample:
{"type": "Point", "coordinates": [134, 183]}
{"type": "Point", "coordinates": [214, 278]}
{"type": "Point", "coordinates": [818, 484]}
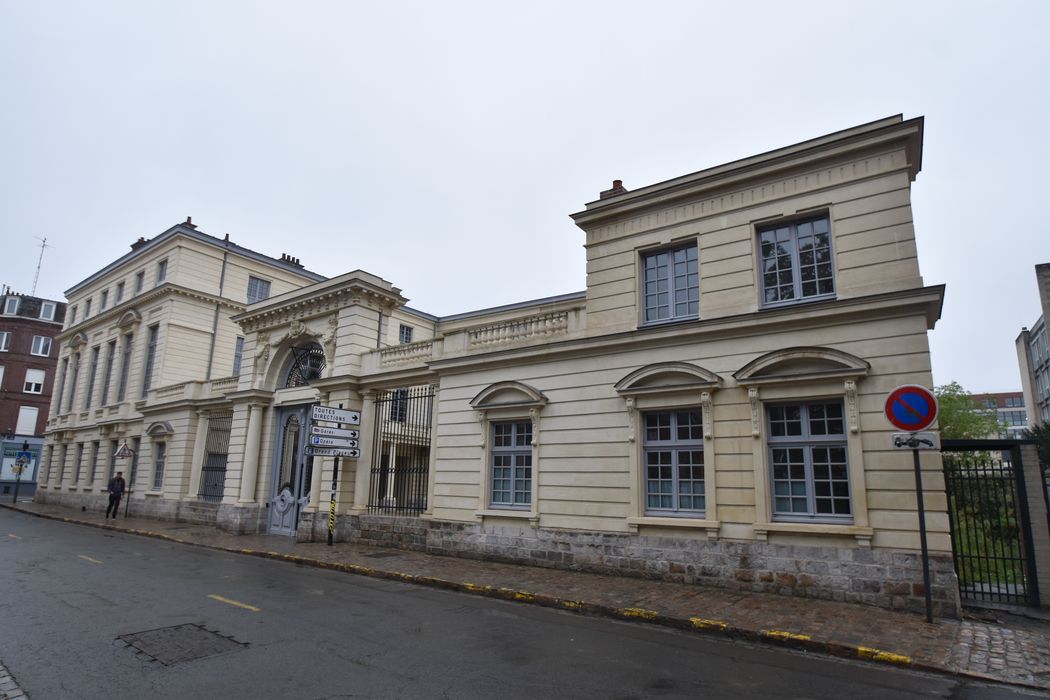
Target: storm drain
{"type": "Point", "coordinates": [175, 645]}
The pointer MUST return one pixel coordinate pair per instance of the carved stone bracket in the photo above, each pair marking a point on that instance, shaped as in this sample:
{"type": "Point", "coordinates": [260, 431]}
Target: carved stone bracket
{"type": "Point", "coordinates": [756, 418]}
{"type": "Point", "coordinates": [708, 418]}
{"type": "Point", "coordinates": [851, 404]}
{"type": "Point", "coordinates": [534, 416]}
{"type": "Point", "coordinates": [632, 419]}
{"type": "Point", "coordinates": [484, 430]}
{"type": "Point", "coordinates": [328, 343]}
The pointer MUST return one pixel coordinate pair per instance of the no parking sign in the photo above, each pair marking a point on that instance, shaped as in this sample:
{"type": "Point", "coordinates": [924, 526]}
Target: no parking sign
{"type": "Point", "coordinates": [911, 407]}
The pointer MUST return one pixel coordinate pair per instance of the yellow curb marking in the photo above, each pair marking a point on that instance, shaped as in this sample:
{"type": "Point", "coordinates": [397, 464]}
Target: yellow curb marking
{"type": "Point", "coordinates": [879, 655]}
{"type": "Point", "coordinates": [780, 634]}
{"type": "Point", "coordinates": [522, 595]}
{"type": "Point", "coordinates": [93, 561]}
{"type": "Point", "coordinates": [640, 613]}
{"type": "Point", "coordinates": [476, 587]}
{"type": "Point", "coordinates": [14, 537]}
{"type": "Point", "coordinates": [570, 604]}
{"type": "Point", "coordinates": [247, 551]}
{"type": "Point", "coordinates": [702, 624]}
{"type": "Point", "coordinates": [235, 603]}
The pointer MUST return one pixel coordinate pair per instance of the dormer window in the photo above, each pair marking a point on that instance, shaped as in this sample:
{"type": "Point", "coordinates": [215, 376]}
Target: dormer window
{"type": "Point", "coordinates": [11, 306]}
{"type": "Point", "coordinates": [47, 311]}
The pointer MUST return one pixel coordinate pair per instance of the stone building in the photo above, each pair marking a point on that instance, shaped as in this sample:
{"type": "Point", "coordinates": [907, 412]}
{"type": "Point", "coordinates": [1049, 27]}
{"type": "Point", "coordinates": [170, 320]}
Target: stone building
{"type": "Point", "coordinates": [708, 409]}
{"type": "Point", "coordinates": [28, 357]}
{"type": "Point", "coordinates": [1033, 355]}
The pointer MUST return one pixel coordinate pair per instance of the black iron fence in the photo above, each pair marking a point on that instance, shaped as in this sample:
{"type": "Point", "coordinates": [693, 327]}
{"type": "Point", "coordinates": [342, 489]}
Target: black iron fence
{"type": "Point", "coordinates": [216, 450]}
{"type": "Point", "coordinates": [401, 451]}
{"type": "Point", "coordinates": [990, 527]}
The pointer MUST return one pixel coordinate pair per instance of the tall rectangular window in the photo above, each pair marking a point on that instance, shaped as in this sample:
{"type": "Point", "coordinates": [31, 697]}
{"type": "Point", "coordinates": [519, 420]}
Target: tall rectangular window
{"type": "Point", "coordinates": [808, 458]}
{"type": "Point", "coordinates": [26, 420]}
{"type": "Point", "coordinates": [1, 377]}
{"type": "Point", "coordinates": [56, 399]}
{"type": "Point", "coordinates": [671, 284]}
{"type": "Point", "coordinates": [79, 463]}
{"type": "Point", "coordinates": [258, 289]}
{"type": "Point", "coordinates": [74, 378]}
{"type": "Point", "coordinates": [73, 314]}
{"type": "Point", "coordinates": [399, 405]}
{"type": "Point", "coordinates": [111, 459]}
{"type": "Point", "coordinates": [87, 308]}
{"type": "Point", "coordinates": [120, 293]}
{"type": "Point", "coordinates": [92, 373]}
{"type": "Point", "coordinates": [125, 367]}
{"type": "Point", "coordinates": [34, 383]}
{"type": "Point", "coordinates": [512, 464]}
{"type": "Point", "coordinates": [136, 443]}
{"type": "Point", "coordinates": [96, 447]}
{"type": "Point", "coordinates": [238, 355]}
{"type": "Point", "coordinates": [41, 346]}
{"type": "Point", "coordinates": [103, 300]}
{"type": "Point", "coordinates": [151, 356]}
{"type": "Point", "coordinates": [796, 261]}
{"type": "Point", "coordinates": [674, 463]}
{"type": "Point", "coordinates": [159, 452]}
{"type": "Point", "coordinates": [62, 464]}
{"type": "Point", "coordinates": [11, 306]}
{"type": "Point", "coordinates": [404, 334]}
{"type": "Point", "coordinates": [162, 272]}
{"type": "Point", "coordinates": [140, 281]}
{"type": "Point", "coordinates": [47, 311]}
{"type": "Point", "coordinates": [107, 371]}
{"type": "Point", "coordinates": [5, 341]}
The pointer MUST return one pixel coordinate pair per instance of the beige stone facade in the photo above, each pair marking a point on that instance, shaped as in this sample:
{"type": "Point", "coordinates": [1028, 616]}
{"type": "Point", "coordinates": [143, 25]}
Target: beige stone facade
{"type": "Point", "coordinates": [709, 409]}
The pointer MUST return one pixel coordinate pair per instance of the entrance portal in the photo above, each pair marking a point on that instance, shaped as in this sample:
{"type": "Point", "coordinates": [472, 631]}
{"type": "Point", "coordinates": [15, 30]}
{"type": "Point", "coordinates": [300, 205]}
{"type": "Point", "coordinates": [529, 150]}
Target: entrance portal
{"type": "Point", "coordinates": [292, 470]}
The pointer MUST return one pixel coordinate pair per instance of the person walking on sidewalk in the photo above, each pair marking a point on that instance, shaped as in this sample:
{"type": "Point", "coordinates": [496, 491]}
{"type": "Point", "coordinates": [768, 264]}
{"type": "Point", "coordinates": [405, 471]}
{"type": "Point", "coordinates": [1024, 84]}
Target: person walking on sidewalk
{"type": "Point", "coordinates": [116, 492]}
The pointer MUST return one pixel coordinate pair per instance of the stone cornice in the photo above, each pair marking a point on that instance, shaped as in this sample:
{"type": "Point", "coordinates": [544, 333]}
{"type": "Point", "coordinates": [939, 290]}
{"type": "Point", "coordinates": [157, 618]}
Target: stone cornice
{"type": "Point", "coordinates": [924, 301]}
{"type": "Point", "coordinates": [116, 315]}
{"type": "Point", "coordinates": [355, 288]}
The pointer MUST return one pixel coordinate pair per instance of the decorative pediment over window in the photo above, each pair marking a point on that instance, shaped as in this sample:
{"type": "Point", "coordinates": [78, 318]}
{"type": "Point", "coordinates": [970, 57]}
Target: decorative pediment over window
{"type": "Point", "coordinates": [129, 318]}
{"type": "Point", "coordinates": [801, 364]}
{"type": "Point", "coordinates": [78, 339]}
{"type": "Point", "coordinates": [160, 429]}
{"type": "Point", "coordinates": [663, 377]}
{"type": "Point", "coordinates": [508, 395]}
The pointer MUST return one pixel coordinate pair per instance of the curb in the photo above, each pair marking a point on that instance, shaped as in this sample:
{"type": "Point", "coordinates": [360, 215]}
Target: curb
{"type": "Point", "coordinates": [780, 638]}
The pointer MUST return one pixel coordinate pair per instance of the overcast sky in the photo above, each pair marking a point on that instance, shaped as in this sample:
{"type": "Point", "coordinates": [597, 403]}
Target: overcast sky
{"type": "Point", "coordinates": [442, 146]}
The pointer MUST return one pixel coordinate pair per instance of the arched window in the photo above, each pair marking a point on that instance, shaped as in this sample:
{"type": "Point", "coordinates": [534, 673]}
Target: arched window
{"type": "Point", "coordinates": [306, 364]}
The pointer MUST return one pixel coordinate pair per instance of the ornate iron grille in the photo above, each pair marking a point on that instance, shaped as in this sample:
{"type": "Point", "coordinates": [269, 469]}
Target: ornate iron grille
{"type": "Point", "coordinates": [216, 449]}
{"type": "Point", "coordinates": [308, 363]}
{"type": "Point", "coordinates": [401, 451]}
{"type": "Point", "coordinates": [990, 527]}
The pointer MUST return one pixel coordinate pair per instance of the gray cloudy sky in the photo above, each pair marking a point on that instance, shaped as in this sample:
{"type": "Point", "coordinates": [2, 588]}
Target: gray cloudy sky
{"type": "Point", "coordinates": [443, 145]}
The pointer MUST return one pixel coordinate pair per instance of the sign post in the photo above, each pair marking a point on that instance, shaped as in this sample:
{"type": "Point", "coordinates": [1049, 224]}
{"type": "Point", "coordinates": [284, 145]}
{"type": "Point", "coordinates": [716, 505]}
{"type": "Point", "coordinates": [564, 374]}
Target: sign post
{"type": "Point", "coordinates": [333, 442]}
{"type": "Point", "coordinates": [913, 408]}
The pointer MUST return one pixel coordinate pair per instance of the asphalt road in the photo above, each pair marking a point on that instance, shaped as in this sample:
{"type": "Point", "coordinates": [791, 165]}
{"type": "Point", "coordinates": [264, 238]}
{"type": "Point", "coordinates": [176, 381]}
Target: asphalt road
{"type": "Point", "coordinates": [73, 599]}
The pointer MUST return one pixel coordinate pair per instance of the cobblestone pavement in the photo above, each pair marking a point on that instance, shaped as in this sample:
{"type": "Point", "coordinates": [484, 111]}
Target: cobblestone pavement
{"type": "Point", "coordinates": [997, 646]}
{"type": "Point", "coordinates": [9, 689]}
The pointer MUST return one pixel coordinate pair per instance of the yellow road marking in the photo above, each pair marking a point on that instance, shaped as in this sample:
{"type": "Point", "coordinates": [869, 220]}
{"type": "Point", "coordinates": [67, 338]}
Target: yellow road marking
{"type": "Point", "coordinates": [16, 537]}
{"type": "Point", "coordinates": [879, 655]}
{"type": "Point", "coordinates": [702, 624]}
{"type": "Point", "coordinates": [93, 561]}
{"type": "Point", "coordinates": [780, 634]}
{"type": "Point", "coordinates": [235, 603]}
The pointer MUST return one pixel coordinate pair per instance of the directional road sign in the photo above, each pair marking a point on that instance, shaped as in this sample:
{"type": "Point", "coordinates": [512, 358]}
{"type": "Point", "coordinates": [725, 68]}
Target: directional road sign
{"type": "Point", "coordinates": [335, 415]}
{"type": "Point", "coordinates": [334, 432]}
{"type": "Point", "coordinates": [319, 441]}
{"type": "Point", "coordinates": [333, 452]}
{"type": "Point", "coordinates": [911, 408]}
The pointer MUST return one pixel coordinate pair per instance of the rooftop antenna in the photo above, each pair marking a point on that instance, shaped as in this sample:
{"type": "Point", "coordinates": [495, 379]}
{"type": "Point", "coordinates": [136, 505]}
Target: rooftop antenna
{"type": "Point", "coordinates": [39, 262]}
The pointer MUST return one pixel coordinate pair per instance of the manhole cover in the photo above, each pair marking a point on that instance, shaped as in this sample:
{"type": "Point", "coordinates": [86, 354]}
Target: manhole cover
{"type": "Point", "coordinates": [174, 645]}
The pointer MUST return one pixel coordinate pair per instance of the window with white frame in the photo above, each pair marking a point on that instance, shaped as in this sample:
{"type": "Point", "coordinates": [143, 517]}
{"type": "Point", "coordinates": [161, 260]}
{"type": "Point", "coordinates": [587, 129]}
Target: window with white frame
{"type": "Point", "coordinates": [162, 272]}
{"type": "Point", "coordinates": [671, 284]}
{"type": "Point", "coordinates": [809, 467]}
{"type": "Point", "coordinates": [511, 455]}
{"type": "Point", "coordinates": [11, 306]}
{"type": "Point", "coordinates": [404, 334]}
{"type": "Point", "coordinates": [796, 261]}
{"type": "Point", "coordinates": [41, 346]}
{"type": "Point", "coordinates": [159, 453]}
{"type": "Point", "coordinates": [26, 420]}
{"type": "Point", "coordinates": [34, 383]}
{"type": "Point", "coordinates": [5, 341]}
{"type": "Point", "coordinates": [47, 311]}
{"type": "Point", "coordinates": [1, 377]}
{"type": "Point", "coordinates": [673, 446]}
{"type": "Point", "coordinates": [258, 289]}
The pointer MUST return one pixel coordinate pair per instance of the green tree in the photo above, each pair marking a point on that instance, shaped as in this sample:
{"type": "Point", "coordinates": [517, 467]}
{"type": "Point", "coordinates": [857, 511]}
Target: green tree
{"type": "Point", "coordinates": [962, 418]}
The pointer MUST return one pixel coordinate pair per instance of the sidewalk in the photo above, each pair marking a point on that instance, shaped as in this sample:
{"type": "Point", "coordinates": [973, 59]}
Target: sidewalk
{"type": "Point", "coordinates": [998, 646]}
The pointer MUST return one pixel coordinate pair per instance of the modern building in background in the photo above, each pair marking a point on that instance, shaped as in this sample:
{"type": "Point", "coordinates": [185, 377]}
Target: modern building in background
{"type": "Point", "coordinates": [28, 355]}
{"type": "Point", "coordinates": [1008, 409]}
{"type": "Point", "coordinates": [1033, 355]}
{"type": "Point", "coordinates": [709, 409]}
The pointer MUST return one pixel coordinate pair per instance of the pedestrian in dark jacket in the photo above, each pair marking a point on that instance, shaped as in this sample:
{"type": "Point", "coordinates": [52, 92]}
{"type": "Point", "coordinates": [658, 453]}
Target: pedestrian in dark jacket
{"type": "Point", "coordinates": [116, 492]}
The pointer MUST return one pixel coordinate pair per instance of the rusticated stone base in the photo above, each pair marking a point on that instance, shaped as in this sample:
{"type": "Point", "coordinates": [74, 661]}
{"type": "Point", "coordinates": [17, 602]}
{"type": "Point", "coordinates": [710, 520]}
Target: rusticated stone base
{"type": "Point", "coordinates": [241, 520]}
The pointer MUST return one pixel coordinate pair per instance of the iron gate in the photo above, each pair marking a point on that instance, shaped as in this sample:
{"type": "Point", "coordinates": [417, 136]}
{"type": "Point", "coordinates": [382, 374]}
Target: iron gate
{"type": "Point", "coordinates": [401, 451]}
{"type": "Point", "coordinates": [216, 449]}
{"type": "Point", "coordinates": [990, 527]}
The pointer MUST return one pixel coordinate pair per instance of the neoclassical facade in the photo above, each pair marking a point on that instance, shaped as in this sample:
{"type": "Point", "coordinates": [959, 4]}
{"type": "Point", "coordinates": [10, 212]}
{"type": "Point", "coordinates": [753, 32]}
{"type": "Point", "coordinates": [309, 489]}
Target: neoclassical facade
{"type": "Point", "coordinates": [708, 409]}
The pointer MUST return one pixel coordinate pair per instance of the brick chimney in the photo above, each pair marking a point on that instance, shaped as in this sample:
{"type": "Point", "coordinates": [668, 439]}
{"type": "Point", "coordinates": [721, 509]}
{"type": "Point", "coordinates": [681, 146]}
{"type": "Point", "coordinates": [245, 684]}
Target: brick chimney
{"type": "Point", "coordinates": [617, 188]}
{"type": "Point", "coordinates": [139, 243]}
{"type": "Point", "coordinates": [189, 223]}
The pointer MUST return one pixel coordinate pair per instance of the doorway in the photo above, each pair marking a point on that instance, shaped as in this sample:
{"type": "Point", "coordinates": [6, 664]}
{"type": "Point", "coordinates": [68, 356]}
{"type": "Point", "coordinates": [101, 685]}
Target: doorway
{"type": "Point", "coordinates": [292, 470]}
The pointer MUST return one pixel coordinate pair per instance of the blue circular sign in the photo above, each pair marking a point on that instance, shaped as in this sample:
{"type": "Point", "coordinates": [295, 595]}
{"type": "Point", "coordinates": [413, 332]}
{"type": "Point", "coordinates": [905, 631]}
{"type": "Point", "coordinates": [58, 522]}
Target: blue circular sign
{"type": "Point", "coordinates": [911, 407]}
